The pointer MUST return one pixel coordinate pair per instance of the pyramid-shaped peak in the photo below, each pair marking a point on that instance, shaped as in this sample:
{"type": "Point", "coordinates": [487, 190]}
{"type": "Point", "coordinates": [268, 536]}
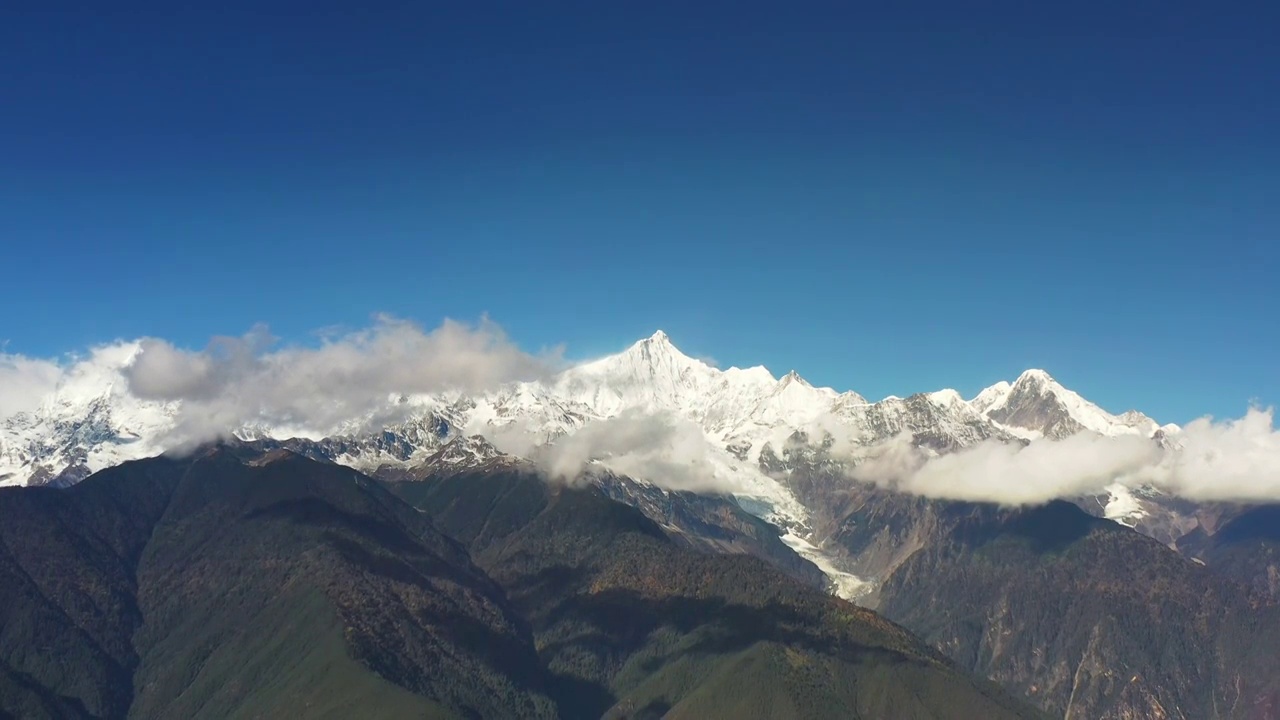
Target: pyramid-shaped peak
{"type": "Point", "coordinates": [1035, 375]}
{"type": "Point", "coordinates": [659, 341]}
{"type": "Point", "coordinates": [659, 348]}
{"type": "Point", "coordinates": [793, 377]}
{"type": "Point", "coordinates": [465, 448]}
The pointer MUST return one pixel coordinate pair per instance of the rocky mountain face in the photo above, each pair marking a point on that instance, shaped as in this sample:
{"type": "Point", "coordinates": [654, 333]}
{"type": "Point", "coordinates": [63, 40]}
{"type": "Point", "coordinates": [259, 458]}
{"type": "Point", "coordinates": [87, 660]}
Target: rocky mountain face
{"type": "Point", "coordinates": [242, 582]}
{"type": "Point", "coordinates": [1084, 616]}
{"type": "Point", "coordinates": [1036, 405]}
{"type": "Point", "coordinates": [1243, 546]}
{"type": "Point", "coordinates": [1087, 617]}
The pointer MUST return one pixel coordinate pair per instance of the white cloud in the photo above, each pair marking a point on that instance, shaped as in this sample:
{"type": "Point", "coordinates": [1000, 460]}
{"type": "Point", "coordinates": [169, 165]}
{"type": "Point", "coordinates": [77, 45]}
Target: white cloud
{"type": "Point", "coordinates": [237, 381]}
{"type": "Point", "coordinates": [1237, 460]}
{"type": "Point", "coordinates": [513, 438]}
{"type": "Point", "coordinates": [1231, 460]}
{"type": "Point", "coordinates": [657, 447]}
{"type": "Point", "coordinates": [1008, 473]}
{"type": "Point", "coordinates": [24, 382]}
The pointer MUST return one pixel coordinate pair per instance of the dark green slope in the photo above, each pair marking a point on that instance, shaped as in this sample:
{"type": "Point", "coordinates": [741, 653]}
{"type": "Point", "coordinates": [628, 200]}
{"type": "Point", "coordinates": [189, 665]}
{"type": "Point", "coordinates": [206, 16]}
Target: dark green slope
{"type": "Point", "coordinates": [706, 522]}
{"type": "Point", "coordinates": [631, 623]}
{"type": "Point", "coordinates": [1246, 549]}
{"type": "Point", "coordinates": [230, 586]}
{"type": "Point", "coordinates": [68, 590]}
{"type": "Point", "coordinates": [1089, 618]}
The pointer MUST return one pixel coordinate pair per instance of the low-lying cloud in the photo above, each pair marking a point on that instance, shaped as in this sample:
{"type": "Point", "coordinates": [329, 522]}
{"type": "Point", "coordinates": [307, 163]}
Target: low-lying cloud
{"type": "Point", "coordinates": [1237, 460]}
{"type": "Point", "coordinates": [351, 381]}
{"type": "Point", "coordinates": [660, 448]}
{"type": "Point", "coordinates": [358, 380]}
{"type": "Point", "coordinates": [356, 375]}
{"type": "Point", "coordinates": [1232, 460]}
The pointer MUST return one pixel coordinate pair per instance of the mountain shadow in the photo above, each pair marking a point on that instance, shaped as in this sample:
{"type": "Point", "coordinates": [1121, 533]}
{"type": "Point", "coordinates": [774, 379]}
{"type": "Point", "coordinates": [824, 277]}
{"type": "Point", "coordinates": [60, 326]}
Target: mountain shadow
{"type": "Point", "coordinates": [630, 623]}
{"type": "Point", "coordinates": [1086, 617]}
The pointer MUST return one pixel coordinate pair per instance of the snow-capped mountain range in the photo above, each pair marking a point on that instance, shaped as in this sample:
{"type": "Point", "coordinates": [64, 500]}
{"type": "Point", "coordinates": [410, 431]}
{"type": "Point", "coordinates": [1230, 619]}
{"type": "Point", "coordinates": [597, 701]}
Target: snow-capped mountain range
{"type": "Point", "coordinates": [91, 421]}
{"type": "Point", "coordinates": [740, 417]}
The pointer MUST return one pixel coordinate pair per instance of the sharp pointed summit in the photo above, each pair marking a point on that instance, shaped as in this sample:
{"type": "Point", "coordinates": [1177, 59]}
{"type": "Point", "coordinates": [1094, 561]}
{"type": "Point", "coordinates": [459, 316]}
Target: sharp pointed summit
{"type": "Point", "coordinates": [658, 350]}
{"type": "Point", "coordinates": [1036, 405]}
{"type": "Point", "coordinates": [656, 346]}
{"type": "Point", "coordinates": [794, 377]}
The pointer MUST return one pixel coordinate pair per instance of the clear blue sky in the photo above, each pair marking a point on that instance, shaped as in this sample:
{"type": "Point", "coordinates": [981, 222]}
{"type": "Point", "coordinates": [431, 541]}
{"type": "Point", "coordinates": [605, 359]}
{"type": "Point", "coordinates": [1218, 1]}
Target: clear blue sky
{"type": "Point", "coordinates": [888, 199]}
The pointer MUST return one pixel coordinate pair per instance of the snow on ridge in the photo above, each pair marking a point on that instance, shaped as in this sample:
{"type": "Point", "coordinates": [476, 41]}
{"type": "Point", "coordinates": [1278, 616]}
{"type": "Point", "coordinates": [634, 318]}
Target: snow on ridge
{"type": "Point", "coordinates": [92, 420]}
{"type": "Point", "coordinates": [992, 396]}
{"type": "Point", "coordinates": [1038, 385]}
{"type": "Point", "coordinates": [946, 397]}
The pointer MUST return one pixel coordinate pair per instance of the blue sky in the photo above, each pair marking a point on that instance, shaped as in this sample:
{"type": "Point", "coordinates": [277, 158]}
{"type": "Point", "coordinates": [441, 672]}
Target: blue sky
{"type": "Point", "coordinates": [885, 199]}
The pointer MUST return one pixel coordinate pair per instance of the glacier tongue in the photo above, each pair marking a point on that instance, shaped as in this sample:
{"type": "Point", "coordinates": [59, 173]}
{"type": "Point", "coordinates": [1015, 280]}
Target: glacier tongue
{"type": "Point", "coordinates": [844, 584]}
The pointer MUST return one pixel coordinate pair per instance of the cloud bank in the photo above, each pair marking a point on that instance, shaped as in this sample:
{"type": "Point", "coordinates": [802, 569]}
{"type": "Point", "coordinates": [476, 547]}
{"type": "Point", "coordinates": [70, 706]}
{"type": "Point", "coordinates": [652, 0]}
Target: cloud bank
{"type": "Point", "coordinates": [24, 382]}
{"type": "Point", "coordinates": [351, 379]}
{"type": "Point", "coordinates": [1232, 460]}
{"type": "Point", "coordinates": [1236, 460]}
{"type": "Point", "coordinates": [661, 448]}
{"type": "Point", "coordinates": [239, 381]}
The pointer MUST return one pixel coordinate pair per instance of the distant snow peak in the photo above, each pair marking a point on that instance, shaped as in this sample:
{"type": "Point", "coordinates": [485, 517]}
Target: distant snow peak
{"type": "Point", "coordinates": [659, 337]}
{"type": "Point", "coordinates": [794, 377]}
{"type": "Point", "coordinates": [659, 347]}
{"type": "Point", "coordinates": [465, 450]}
{"type": "Point", "coordinates": [1035, 405]}
{"type": "Point", "coordinates": [757, 375]}
{"type": "Point", "coordinates": [946, 397]}
{"type": "Point", "coordinates": [1036, 376]}
{"type": "Point", "coordinates": [991, 396]}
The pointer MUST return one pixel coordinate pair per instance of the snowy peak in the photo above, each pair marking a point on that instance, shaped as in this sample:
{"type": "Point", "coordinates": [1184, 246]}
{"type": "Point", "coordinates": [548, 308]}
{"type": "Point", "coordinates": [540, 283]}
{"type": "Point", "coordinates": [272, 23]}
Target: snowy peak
{"type": "Point", "coordinates": [946, 398]}
{"type": "Point", "coordinates": [758, 375]}
{"type": "Point", "coordinates": [464, 450]}
{"type": "Point", "coordinates": [1036, 405]}
{"type": "Point", "coordinates": [658, 349]}
{"type": "Point", "coordinates": [1035, 376]}
{"type": "Point", "coordinates": [793, 401]}
{"type": "Point", "coordinates": [653, 357]}
{"type": "Point", "coordinates": [652, 374]}
{"type": "Point", "coordinates": [791, 377]}
{"type": "Point", "coordinates": [659, 337]}
{"type": "Point", "coordinates": [991, 397]}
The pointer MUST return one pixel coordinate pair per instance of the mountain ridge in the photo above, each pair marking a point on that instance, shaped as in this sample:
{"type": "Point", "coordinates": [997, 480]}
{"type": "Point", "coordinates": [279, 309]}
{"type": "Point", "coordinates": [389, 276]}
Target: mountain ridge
{"type": "Point", "coordinates": [734, 419]}
{"type": "Point", "coordinates": [92, 420]}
